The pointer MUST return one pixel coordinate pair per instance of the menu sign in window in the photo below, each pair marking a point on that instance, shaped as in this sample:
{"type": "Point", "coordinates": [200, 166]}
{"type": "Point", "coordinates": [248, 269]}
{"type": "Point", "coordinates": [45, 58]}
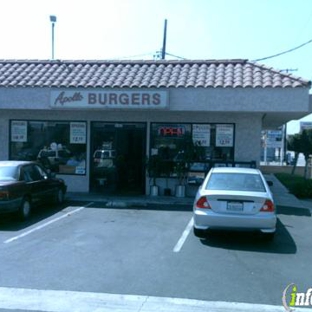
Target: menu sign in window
{"type": "Point", "coordinates": [78, 133]}
{"type": "Point", "coordinates": [224, 135]}
{"type": "Point", "coordinates": [19, 131]}
{"type": "Point", "coordinates": [201, 135]}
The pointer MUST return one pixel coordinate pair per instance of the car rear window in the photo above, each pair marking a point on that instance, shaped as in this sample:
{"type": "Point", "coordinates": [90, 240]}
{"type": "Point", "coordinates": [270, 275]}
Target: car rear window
{"type": "Point", "coordinates": [236, 182]}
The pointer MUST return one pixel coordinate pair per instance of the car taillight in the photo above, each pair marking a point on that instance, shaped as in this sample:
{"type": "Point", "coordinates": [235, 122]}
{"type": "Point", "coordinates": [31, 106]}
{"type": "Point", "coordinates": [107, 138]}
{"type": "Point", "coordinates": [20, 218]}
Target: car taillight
{"type": "Point", "coordinates": [268, 206]}
{"type": "Point", "coordinates": [202, 203]}
{"type": "Point", "coordinates": [4, 195]}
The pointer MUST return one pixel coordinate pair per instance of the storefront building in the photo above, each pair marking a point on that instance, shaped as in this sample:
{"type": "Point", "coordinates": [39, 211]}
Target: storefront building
{"type": "Point", "coordinates": [96, 123]}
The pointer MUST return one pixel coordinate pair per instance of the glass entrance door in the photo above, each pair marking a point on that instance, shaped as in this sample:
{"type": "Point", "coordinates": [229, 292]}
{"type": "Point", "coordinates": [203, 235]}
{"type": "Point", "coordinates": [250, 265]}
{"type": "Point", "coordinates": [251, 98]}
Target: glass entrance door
{"type": "Point", "coordinates": [118, 158]}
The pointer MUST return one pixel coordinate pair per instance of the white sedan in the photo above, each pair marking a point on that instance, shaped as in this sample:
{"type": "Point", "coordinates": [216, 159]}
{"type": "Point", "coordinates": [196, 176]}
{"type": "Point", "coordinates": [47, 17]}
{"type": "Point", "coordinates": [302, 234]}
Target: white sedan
{"type": "Point", "coordinates": [234, 199]}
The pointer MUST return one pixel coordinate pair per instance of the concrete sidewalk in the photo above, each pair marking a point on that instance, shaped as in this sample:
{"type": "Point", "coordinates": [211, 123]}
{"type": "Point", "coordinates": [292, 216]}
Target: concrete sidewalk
{"type": "Point", "coordinates": [281, 196]}
{"type": "Point", "coordinates": [130, 201]}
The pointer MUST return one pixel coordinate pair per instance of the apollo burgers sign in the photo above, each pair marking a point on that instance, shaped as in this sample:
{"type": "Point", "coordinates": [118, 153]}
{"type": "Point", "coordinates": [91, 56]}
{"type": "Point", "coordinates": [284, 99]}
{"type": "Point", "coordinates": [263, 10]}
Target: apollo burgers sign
{"type": "Point", "coordinates": [109, 99]}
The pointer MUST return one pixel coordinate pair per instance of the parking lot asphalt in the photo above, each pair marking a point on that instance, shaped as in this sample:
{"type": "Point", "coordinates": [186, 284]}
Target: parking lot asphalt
{"type": "Point", "coordinates": [281, 196]}
{"type": "Point", "coordinates": [37, 286]}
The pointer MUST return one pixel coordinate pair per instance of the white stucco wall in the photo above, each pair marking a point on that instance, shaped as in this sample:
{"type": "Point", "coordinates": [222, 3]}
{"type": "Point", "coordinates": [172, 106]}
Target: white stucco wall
{"type": "Point", "coordinates": [248, 138]}
{"type": "Point", "coordinates": [189, 99]}
{"type": "Point", "coordinates": [241, 100]}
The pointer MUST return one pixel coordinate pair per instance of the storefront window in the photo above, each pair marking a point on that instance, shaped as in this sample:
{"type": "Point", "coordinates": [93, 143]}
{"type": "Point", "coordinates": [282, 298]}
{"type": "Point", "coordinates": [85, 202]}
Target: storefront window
{"type": "Point", "coordinates": [196, 144]}
{"type": "Point", "coordinates": [59, 146]}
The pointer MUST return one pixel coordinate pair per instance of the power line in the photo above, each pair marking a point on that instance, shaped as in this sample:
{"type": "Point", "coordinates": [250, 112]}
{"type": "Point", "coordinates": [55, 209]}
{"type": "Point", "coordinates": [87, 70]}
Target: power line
{"type": "Point", "coordinates": [158, 56]}
{"type": "Point", "coordinates": [282, 53]}
{"type": "Point", "coordinates": [179, 57]}
{"type": "Point", "coordinates": [132, 56]}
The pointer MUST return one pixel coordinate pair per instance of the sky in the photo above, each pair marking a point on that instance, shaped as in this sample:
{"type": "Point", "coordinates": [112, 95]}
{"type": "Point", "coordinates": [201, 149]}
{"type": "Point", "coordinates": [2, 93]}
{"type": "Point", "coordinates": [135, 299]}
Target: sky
{"type": "Point", "coordinates": [134, 29]}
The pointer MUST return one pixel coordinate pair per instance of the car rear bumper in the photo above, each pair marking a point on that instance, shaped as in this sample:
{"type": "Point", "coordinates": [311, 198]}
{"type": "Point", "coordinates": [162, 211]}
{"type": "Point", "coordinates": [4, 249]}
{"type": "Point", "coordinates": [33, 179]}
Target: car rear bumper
{"type": "Point", "coordinates": [206, 219]}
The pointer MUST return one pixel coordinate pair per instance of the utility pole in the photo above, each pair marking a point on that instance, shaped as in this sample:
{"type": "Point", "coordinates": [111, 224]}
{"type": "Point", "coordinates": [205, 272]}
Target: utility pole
{"type": "Point", "coordinates": [163, 51]}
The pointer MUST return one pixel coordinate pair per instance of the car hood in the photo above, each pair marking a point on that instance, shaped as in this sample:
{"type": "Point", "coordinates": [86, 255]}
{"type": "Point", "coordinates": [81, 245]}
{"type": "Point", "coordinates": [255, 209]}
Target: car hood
{"type": "Point", "coordinates": [8, 182]}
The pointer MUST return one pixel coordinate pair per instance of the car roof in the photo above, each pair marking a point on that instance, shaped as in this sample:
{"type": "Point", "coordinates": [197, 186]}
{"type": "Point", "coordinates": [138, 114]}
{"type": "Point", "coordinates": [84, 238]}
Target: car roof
{"type": "Point", "coordinates": [235, 170]}
{"type": "Point", "coordinates": [8, 163]}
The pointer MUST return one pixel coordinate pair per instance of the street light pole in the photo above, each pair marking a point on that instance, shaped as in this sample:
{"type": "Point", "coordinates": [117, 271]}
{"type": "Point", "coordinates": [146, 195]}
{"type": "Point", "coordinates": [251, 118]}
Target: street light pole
{"type": "Point", "coordinates": [53, 21]}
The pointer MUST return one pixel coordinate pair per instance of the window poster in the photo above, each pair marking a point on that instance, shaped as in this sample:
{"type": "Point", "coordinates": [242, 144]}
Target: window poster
{"type": "Point", "coordinates": [201, 135]}
{"type": "Point", "coordinates": [224, 135]}
{"type": "Point", "coordinates": [18, 131]}
{"type": "Point", "coordinates": [78, 133]}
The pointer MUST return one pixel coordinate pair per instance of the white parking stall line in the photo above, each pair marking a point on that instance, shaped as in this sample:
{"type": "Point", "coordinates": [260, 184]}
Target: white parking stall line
{"type": "Point", "coordinates": [64, 301]}
{"type": "Point", "coordinates": [41, 226]}
{"type": "Point", "coordinates": [184, 236]}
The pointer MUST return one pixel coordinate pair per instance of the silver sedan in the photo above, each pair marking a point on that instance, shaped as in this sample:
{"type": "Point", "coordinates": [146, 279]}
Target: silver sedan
{"type": "Point", "coordinates": [234, 199]}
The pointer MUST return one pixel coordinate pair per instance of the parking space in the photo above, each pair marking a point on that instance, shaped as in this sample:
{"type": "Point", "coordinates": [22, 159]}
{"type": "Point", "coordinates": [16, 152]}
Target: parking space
{"type": "Point", "coordinates": [105, 246]}
{"type": "Point", "coordinates": [151, 251]}
{"type": "Point", "coordinates": [11, 225]}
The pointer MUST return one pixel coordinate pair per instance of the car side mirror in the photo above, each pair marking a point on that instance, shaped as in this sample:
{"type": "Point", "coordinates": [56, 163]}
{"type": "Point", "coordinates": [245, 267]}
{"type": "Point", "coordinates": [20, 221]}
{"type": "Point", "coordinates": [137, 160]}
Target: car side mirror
{"type": "Point", "coordinates": [270, 183]}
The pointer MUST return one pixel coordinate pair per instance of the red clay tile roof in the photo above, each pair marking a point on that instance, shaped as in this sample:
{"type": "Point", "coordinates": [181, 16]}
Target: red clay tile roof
{"type": "Point", "coordinates": [144, 74]}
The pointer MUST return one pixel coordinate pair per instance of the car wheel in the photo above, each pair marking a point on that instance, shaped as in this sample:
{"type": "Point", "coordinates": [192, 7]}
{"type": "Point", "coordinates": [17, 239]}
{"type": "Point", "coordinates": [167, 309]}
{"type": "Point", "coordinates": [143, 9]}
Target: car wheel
{"type": "Point", "coordinates": [59, 197]}
{"type": "Point", "coordinates": [199, 233]}
{"type": "Point", "coordinates": [25, 209]}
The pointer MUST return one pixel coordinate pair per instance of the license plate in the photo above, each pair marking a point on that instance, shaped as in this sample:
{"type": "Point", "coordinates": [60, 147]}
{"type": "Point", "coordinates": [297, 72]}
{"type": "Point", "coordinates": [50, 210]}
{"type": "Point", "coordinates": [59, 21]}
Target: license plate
{"type": "Point", "coordinates": [234, 206]}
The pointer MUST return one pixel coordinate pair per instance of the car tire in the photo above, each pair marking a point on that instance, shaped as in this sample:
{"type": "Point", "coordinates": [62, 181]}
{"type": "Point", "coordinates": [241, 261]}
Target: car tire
{"type": "Point", "coordinates": [25, 209]}
{"type": "Point", "coordinates": [199, 233]}
{"type": "Point", "coordinates": [59, 196]}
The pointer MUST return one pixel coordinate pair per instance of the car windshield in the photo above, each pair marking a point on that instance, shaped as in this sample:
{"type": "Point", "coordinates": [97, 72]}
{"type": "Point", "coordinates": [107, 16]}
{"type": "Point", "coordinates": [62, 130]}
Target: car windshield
{"type": "Point", "coordinates": [8, 173]}
{"type": "Point", "coordinates": [235, 182]}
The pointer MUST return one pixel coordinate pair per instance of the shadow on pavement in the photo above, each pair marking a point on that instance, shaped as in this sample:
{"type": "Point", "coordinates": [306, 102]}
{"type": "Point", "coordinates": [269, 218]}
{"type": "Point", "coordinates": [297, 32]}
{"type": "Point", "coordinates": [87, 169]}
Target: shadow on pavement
{"type": "Point", "coordinates": [10, 222]}
{"type": "Point", "coordinates": [293, 211]}
{"type": "Point", "coordinates": [142, 206]}
{"type": "Point", "coordinates": [282, 243]}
